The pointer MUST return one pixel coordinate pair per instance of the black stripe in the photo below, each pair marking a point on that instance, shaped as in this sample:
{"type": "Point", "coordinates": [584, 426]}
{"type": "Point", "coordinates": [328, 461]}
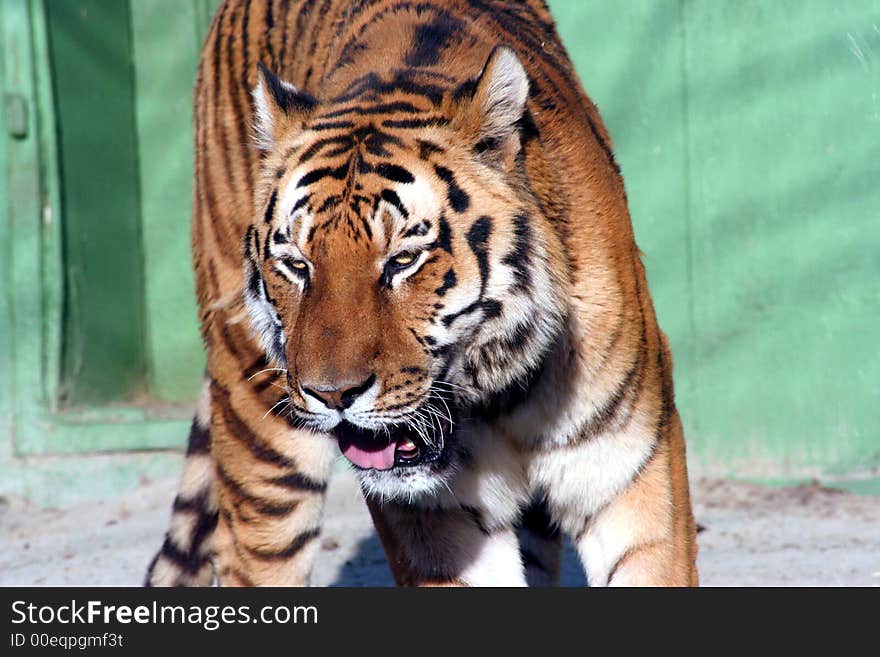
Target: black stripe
{"type": "Point", "coordinates": [239, 429]}
{"type": "Point", "coordinates": [235, 91]}
{"type": "Point", "coordinates": [537, 520]}
{"type": "Point", "coordinates": [508, 398]}
{"type": "Point", "coordinates": [193, 560]}
{"type": "Point", "coordinates": [284, 16]}
{"type": "Point", "coordinates": [300, 202]}
{"type": "Point", "coordinates": [430, 39]}
{"type": "Point", "coordinates": [194, 505]}
{"type": "Point", "coordinates": [383, 108]}
{"type": "Point", "coordinates": [317, 31]}
{"type": "Point", "coordinates": [297, 544]}
{"type": "Point", "coordinates": [205, 526]}
{"type": "Point", "coordinates": [449, 282]}
{"type": "Point", "coordinates": [394, 172]}
{"type": "Point", "coordinates": [258, 504]}
{"type": "Point", "coordinates": [267, 255]}
{"type": "Point", "coordinates": [331, 201]}
{"type": "Point", "coordinates": [270, 208]}
{"type": "Point", "coordinates": [418, 338]}
{"type": "Point", "coordinates": [199, 441]}
{"type": "Point", "coordinates": [331, 125]}
{"type": "Point", "coordinates": [245, 38]}
{"type": "Point", "coordinates": [391, 197]}
{"type": "Point", "coordinates": [302, 14]}
{"type": "Point", "coordinates": [604, 145]}
{"type": "Point", "coordinates": [429, 122]}
{"type": "Point", "coordinates": [359, 164]}
{"type": "Point", "coordinates": [375, 142]}
{"type": "Point", "coordinates": [491, 309]}
{"type": "Point", "coordinates": [630, 551]}
{"type": "Point", "coordinates": [189, 562]}
{"type": "Point", "coordinates": [427, 148]}
{"type": "Point", "coordinates": [252, 242]}
{"type": "Point", "coordinates": [366, 226]}
{"type": "Point", "coordinates": [465, 90]}
{"type": "Point", "coordinates": [605, 413]}
{"type": "Point", "coordinates": [271, 508]}
{"type": "Point", "coordinates": [254, 281]}
{"type": "Point", "coordinates": [528, 130]}
{"type": "Point", "coordinates": [518, 338]}
{"type": "Point", "coordinates": [298, 481]}
{"type": "Point", "coordinates": [666, 386]}
{"type": "Point", "coordinates": [420, 229]}
{"type": "Point", "coordinates": [478, 239]}
{"type": "Point", "coordinates": [148, 579]}
{"type": "Point", "coordinates": [219, 126]}
{"type": "Point", "coordinates": [458, 198]}
{"type": "Point", "coordinates": [519, 259]}
{"type": "Point", "coordinates": [402, 82]}
{"type": "Point", "coordinates": [339, 173]}
{"type": "Point", "coordinates": [232, 344]}
{"type": "Point", "coordinates": [268, 24]}
{"type": "Point", "coordinates": [444, 236]}
{"type": "Point", "coordinates": [344, 142]}
{"type": "Point", "coordinates": [230, 483]}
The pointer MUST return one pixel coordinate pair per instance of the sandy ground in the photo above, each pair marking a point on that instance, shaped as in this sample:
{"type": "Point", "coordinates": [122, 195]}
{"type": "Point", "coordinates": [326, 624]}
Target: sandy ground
{"type": "Point", "coordinates": [755, 536]}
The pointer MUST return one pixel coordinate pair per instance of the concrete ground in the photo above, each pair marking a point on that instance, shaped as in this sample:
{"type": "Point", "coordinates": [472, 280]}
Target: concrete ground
{"type": "Point", "coordinates": [752, 536]}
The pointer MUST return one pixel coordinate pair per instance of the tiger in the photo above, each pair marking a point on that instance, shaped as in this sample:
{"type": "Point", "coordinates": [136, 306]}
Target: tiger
{"type": "Point", "coordinates": [412, 246]}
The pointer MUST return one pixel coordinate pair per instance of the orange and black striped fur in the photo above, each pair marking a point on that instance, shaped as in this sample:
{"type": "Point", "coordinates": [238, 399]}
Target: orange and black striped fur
{"type": "Point", "coordinates": [412, 243]}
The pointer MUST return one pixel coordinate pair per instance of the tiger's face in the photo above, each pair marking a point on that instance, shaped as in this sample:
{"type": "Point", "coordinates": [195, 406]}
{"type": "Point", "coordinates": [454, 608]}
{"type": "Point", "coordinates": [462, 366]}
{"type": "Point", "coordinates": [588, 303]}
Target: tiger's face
{"type": "Point", "coordinates": [398, 271]}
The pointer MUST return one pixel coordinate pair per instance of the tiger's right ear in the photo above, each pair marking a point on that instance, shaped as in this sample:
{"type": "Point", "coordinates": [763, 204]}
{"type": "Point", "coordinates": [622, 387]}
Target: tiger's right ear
{"type": "Point", "coordinates": [491, 113]}
{"type": "Point", "coordinates": [278, 107]}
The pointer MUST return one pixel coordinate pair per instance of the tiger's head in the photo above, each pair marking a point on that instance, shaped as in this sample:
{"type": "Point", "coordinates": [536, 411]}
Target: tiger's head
{"type": "Point", "coordinates": [399, 268]}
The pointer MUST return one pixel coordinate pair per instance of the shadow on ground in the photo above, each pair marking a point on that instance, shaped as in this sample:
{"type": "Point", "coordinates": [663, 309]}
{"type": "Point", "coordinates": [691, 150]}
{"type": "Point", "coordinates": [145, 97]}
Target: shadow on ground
{"type": "Point", "coordinates": [368, 567]}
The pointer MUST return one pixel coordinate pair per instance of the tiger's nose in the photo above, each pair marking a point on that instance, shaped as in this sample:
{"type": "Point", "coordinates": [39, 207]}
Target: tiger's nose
{"type": "Point", "coordinates": [337, 397]}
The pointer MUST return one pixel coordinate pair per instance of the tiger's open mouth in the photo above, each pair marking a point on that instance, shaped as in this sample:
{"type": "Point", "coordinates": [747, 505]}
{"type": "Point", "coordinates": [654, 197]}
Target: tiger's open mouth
{"type": "Point", "coordinates": [398, 446]}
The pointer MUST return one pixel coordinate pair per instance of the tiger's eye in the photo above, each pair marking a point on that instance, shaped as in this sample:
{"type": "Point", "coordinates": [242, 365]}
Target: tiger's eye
{"type": "Point", "coordinates": [403, 259]}
{"type": "Point", "coordinates": [299, 264]}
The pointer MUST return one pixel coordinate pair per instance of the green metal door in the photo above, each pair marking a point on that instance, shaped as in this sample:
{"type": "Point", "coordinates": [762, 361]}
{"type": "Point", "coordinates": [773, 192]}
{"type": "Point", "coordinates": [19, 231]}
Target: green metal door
{"type": "Point", "coordinates": [98, 336]}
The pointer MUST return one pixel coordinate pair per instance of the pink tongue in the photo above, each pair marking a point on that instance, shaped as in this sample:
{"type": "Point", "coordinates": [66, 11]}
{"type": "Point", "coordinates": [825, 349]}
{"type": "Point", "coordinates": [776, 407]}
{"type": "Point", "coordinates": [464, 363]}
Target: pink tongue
{"type": "Point", "coordinates": [382, 458]}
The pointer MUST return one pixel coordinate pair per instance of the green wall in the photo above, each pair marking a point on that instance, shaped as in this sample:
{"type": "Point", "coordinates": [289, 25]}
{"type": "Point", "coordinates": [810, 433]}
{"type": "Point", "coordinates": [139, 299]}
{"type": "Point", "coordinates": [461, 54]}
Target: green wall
{"type": "Point", "coordinates": [749, 136]}
{"type": "Point", "coordinates": [748, 133]}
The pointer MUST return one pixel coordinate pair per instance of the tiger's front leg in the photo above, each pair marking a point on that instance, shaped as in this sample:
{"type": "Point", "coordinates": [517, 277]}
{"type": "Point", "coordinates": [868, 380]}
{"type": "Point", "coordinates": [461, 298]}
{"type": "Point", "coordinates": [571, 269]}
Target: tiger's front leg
{"type": "Point", "coordinates": [446, 547]}
{"type": "Point", "coordinates": [646, 536]}
{"type": "Point", "coordinates": [271, 477]}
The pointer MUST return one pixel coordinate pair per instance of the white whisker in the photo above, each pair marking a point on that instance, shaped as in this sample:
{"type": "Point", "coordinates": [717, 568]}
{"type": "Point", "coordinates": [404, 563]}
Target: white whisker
{"type": "Point", "coordinates": [276, 405]}
{"type": "Point", "coordinates": [268, 369]}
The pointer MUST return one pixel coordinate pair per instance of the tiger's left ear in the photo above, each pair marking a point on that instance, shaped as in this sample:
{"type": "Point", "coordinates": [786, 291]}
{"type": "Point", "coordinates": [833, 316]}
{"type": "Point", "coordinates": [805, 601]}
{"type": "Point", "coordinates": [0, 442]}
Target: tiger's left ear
{"type": "Point", "coordinates": [490, 116]}
{"type": "Point", "coordinates": [278, 107]}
